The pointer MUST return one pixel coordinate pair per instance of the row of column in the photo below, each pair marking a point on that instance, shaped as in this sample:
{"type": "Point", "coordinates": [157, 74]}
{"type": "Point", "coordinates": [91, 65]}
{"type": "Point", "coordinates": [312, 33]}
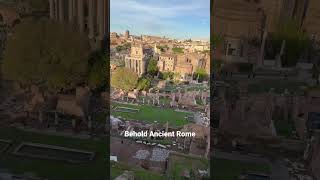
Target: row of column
{"type": "Point", "coordinates": [71, 10]}
{"type": "Point", "coordinates": [137, 65]}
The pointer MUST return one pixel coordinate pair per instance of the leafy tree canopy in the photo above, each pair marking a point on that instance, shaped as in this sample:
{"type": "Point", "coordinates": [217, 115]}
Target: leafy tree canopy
{"type": "Point", "coordinates": [200, 74]}
{"type": "Point", "coordinates": [46, 53]}
{"type": "Point", "coordinates": [296, 42]}
{"type": "Point", "coordinates": [144, 83]}
{"type": "Point", "coordinates": [123, 47]}
{"type": "Point", "coordinates": [216, 40]}
{"type": "Point", "coordinates": [97, 77]}
{"type": "Point", "coordinates": [152, 68]}
{"type": "Point", "coordinates": [124, 78]}
{"type": "Point", "coordinates": [167, 75]}
{"type": "Point", "coordinates": [177, 50]}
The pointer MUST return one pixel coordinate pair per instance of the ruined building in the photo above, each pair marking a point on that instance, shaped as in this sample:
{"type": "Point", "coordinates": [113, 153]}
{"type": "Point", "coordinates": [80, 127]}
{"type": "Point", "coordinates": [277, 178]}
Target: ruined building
{"type": "Point", "coordinates": [138, 58]}
{"type": "Point", "coordinates": [246, 24]}
{"type": "Point", "coordinates": [90, 16]}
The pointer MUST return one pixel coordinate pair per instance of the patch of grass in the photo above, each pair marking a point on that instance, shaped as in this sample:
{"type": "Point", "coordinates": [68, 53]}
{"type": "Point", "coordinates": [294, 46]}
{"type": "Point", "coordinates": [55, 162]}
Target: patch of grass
{"type": "Point", "coordinates": [150, 114]}
{"type": "Point", "coordinates": [118, 168]}
{"type": "Point", "coordinates": [177, 50]}
{"type": "Point", "coordinates": [279, 86]}
{"type": "Point", "coordinates": [55, 170]}
{"type": "Point", "coordinates": [179, 163]}
{"type": "Point", "coordinates": [230, 170]}
{"type": "Point", "coordinates": [283, 127]}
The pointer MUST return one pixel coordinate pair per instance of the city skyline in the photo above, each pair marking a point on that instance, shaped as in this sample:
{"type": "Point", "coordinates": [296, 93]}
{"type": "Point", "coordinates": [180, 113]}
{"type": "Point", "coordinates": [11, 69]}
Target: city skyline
{"type": "Point", "coordinates": [172, 19]}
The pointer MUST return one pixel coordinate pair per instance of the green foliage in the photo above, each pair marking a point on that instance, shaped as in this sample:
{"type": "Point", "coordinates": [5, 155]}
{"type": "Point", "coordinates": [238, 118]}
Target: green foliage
{"type": "Point", "coordinates": [144, 83]}
{"type": "Point", "coordinates": [201, 74]}
{"type": "Point", "coordinates": [167, 75]}
{"type": "Point", "coordinates": [163, 48]}
{"type": "Point", "coordinates": [217, 65]}
{"type": "Point", "coordinates": [177, 50]}
{"type": "Point", "coordinates": [216, 40]}
{"type": "Point", "coordinates": [97, 77]}
{"type": "Point", "coordinates": [46, 53]}
{"type": "Point", "coordinates": [38, 4]}
{"type": "Point", "coordinates": [296, 42]}
{"type": "Point", "coordinates": [124, 78]}
{"type": "Point", "coordinates": [152, 68]}
{"type": "Point", "coordinates": [123, 47]}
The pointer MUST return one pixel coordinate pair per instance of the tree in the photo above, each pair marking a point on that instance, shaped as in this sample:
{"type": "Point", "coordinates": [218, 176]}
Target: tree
{"type": "Point", "coordinates": [97, 77]}
{"type": "Point", "coordinates": [123, 47]}
{"type": "Point", "coordinates": [167, 75]}
{"type": "Point", "coordinates": [200, 74]}
{"type": "Point", "coordinates": [296, 42]}
{"type": "Point", "coordinates": [38, 4]}
{"type": "Point", "coordinates": [177, 50]}
{"type": "Point", "coordinates": [152, 68]}
{"type": "Point", "coordinates": [216, 40]}
{"type": "Point", "coordinates": [48, 54]}
{"type": "Point", "coordinates": [144, 83]}
{"type": "Point", "coordinates": [124, 79]}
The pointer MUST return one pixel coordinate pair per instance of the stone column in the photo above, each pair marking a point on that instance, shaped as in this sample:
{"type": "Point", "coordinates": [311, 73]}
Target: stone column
{"type": "Point", "coordinates": [40, 116]}
{"type": "Point", "coordinates": [56, 9]}
{"type": "Point", "coordinates": [56, 120]}
{"type": "Point", "coordinates": [51, 2]}
{"type": "Point", "coordinates": [70, 9]}
{"type": "Point", "coordinates": [261, 55]}
{"type": "Point", "coordinates": [74, 7]}
{"type": "Point", "coordinates": [207, 154]}
{"type": "Point", "coordinates": [91, 12]}
{"type": "Point", "coordinates": [74, 124]}
{"type": "Point", "coordinates": [100, 18]}
{"type": "Point", "coordinates": [61, 10]}
{"type": "Point", "coordinates": [80, 15]}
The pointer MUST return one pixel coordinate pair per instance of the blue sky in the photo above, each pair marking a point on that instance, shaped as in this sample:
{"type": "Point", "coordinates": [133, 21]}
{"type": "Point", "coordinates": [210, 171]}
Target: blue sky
{"type": "Point", "coordinates": [181, 19]}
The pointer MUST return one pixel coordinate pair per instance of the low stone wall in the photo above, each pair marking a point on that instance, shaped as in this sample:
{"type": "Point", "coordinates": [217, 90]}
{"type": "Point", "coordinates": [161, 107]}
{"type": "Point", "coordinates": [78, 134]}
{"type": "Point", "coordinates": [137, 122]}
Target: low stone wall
{"type": "Point", "coordinates": [43, 151]}
{"type": "Point", "coordinates": [4, 145]}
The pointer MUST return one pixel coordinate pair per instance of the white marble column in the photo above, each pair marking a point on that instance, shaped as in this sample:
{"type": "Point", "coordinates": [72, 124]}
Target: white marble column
{"type": "Point", "coordinates": [100, 18]}
{"type": "Point", "coordinates": [91, 14]}
{"type": "Point", "coordinates": [61, 10]}
{"type": "Point", "coordinates": [80, 15]}
{"type": "Point", "coordinates": [70, 10]}
{"type": "Point", "coordinates": [51, 2]}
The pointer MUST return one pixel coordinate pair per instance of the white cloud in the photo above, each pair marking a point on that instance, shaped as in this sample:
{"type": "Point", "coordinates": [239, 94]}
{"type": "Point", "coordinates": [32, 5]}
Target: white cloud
{"type": "Point", "coordinates": [156, 16]}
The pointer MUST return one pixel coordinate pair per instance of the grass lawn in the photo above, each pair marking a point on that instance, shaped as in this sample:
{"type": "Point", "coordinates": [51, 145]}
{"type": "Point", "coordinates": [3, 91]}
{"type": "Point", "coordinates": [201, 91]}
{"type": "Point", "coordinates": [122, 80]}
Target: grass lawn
{"type": "Point", "coordinates": [279, 86]}
{"type": "Point", "coordinates": [139, 174]}
{"type": "Point", "coordinates": [177, 50]}
{"type": "Point", "coordinates": [55, 170]}
{"type": "Point", "coordinates": [230, 170]}
{"type": "Point", "coordinates": [150, 114]}
{"type": "Point", "coordinates": [284, 128]}
{"type": "Point", "coordinates": [179, 163]}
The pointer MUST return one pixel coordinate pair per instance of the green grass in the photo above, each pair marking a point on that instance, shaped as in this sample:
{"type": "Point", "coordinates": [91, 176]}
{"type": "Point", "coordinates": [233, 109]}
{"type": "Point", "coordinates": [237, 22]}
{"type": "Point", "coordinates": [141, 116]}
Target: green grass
{"type": "Point", "coordinates": [177, 50]}
{"type": "Point", "coordinates": [230, 170]}
{"type": "Point", "coordinates": [279, 86]}
{"type": "Point", "coordinates": [55, 170]}
{"type": "Point", "coordinates": [150, 114]}
{"type": "Point", "coordinates": [179, 163]}
{"type": "Point", "coordinates": [139, 173]}
{"type": "Point", "coordinates": [284, 128]}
